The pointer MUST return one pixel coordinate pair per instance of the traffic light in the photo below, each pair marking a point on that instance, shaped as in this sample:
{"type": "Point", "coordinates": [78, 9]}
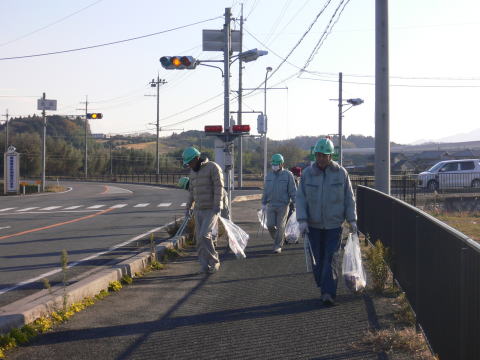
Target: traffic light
{"type": "Point", "coordinates": [94, 115]}
{"type": "Point", "coordinates": [178, 62]}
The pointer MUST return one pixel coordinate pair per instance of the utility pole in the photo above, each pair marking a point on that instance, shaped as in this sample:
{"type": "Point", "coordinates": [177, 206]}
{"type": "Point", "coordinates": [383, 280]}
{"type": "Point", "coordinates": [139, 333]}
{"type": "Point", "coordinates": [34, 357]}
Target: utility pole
{"type": "Point", "coordinates": [157, 84]}
{"type": "Point", "coordinates": [6, 130]}
{"type": "Point", "coordinates": [340, 111]}
{"type": "Point", "coordinates": [382, 119]}
{"type": "Point", "coordinates": [111, 160]}
{"type": "Point", "coordinates": [85, 161]}
{"type": "Point", "coordinates": [226, 101]}
{"type": "Point", "coordinates": [239, 116]}
{"type": "Point", "coordinates": [44, 144]}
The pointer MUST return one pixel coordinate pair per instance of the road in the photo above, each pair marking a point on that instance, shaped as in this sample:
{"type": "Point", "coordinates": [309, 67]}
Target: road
{"type": "Point", "coordinates": [94, 222]}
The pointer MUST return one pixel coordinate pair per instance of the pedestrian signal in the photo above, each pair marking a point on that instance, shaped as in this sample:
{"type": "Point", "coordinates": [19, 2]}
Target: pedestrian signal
{"type": "Point", "coordinates": [178, 62]}
{"type": "Point", "coordinates": [94, 115]}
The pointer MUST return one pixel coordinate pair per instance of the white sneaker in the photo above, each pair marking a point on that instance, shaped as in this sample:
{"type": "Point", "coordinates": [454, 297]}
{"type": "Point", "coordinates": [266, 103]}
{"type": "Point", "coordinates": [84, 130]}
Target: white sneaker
{"type": "Point", "coordinates": [277, 250]}
{"type": "Point", "coordinates": [213, 269]}
{"type": "Point", "coordinates": [327, 299]}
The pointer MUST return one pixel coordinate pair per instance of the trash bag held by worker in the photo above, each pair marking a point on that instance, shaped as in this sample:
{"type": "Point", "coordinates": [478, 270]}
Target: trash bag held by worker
{"type": "Point", "coordinates": [309, 258]}
{"type": "Point", "coordinates": [237, 238]}
{"type": "Point", "coordinates": [262, 217]}
{"type": "Point", "coordinates": [292, 232]}
{"type": "Point", "coordinates": [352, 268]}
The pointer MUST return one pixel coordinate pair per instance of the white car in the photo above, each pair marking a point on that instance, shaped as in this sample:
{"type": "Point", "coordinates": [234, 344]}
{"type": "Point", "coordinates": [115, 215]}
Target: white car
{"type": "Point", "coordinates": [451, 174]}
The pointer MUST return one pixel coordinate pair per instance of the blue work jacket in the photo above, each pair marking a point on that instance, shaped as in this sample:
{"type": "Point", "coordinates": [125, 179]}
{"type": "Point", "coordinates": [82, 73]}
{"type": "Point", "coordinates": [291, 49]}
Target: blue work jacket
{"type": "Point", "coordinates": [325, 197]}
{"type": "Point", "coordinates": [279, 188]}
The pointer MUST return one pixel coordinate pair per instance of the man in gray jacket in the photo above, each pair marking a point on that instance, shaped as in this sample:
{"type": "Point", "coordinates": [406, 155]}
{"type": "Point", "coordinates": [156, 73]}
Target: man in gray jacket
{"type": "Point", "coordinates": [324, 201]}
{"type": "Point", "coordinates": [206, 191]}
{"type": "Point", "coordinates": [278, 194]}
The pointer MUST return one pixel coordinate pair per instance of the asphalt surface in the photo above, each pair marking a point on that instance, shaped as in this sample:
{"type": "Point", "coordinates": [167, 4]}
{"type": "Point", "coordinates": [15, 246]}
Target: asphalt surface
{"type": "Point", "coordinates": [264, 307]}
{"type": "Point", "coordinates": [89, 221]}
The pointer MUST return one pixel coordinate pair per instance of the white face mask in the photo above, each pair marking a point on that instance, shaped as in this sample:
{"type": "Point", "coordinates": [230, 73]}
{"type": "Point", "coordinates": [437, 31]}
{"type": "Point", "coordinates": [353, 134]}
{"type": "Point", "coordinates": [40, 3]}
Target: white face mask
{"type": "Point", "coordinates": [275, 167]}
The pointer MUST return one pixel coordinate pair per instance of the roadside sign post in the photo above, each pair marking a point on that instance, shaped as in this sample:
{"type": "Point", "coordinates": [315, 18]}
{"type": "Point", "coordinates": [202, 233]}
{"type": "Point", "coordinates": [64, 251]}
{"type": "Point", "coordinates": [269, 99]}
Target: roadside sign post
{"type": "Point", "coordinates": [11, 175]}
{"type": "Point", "coordinates": [45, 104]}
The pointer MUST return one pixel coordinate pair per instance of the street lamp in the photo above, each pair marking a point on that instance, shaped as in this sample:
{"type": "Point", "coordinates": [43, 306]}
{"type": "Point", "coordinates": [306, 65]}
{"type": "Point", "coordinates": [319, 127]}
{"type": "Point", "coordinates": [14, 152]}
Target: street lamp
{"type": "Point", "coordinates": [268, 69]}
{"type": "Point", "coordinates": [352, 103]}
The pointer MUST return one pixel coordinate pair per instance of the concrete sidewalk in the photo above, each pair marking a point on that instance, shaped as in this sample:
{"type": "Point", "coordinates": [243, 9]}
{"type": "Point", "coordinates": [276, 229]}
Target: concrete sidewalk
{"type": "Point", "coordinates": [264, 307]}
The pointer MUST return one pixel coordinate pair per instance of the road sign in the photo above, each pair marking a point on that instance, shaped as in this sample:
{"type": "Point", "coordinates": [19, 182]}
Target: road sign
{"type": "Point", "coordinates": [214, 40]}
{"type": "Point", "coordinates": [12, 173]}
{"type": "Point", "coordinates": [44, 104]}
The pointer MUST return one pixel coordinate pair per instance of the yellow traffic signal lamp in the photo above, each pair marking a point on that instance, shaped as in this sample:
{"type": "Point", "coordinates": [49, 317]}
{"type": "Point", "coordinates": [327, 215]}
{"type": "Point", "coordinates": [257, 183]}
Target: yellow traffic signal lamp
{"type": "Point", "coordinates": [94, 115]}
{"type": "Point", "coordinates": [178, 62]}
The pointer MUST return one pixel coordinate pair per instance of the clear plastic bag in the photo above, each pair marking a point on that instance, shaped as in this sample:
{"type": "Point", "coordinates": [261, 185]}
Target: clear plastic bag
{"type": "Point", "coordinates": [352, 268]}
{"type": "Point", "coordinates": [292, 232]}
{"type": "Point", "coordinates": [237, 238]}
{"type": "Point", "coordinates": [309, 258]}
{"type": "Point", "coordinates": [262, 218]}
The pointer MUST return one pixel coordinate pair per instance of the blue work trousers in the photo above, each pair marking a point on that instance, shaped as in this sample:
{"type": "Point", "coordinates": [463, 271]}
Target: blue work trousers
{"type": "Point", "coordinates": [325, 247]}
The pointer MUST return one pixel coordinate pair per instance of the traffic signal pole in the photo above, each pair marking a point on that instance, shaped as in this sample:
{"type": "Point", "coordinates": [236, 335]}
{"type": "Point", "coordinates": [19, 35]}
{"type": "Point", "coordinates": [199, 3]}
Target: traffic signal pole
{"type": "Point", "coordinates": [44, 145]}
{"type": "Point", "coordinates": [239, 116]}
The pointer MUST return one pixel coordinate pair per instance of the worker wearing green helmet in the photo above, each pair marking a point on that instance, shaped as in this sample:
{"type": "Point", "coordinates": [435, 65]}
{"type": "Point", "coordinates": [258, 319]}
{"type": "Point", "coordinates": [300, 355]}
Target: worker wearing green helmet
{"type": "Point", "coordinates": [278, 194]}
{"type": "Point", "coordinates": [206, 192]}
{"type": "Point", "coordinates": [324, 201]}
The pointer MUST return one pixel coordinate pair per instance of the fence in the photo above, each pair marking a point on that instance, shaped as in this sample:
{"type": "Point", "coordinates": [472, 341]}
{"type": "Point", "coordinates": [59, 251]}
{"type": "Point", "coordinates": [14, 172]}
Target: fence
{"type": "Point", "coordinates": [437, 267]}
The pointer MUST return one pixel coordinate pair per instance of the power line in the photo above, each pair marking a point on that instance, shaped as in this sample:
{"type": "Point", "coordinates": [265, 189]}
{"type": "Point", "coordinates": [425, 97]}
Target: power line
{"type": "Point", "coordinates": [51, 24]}
{"type": "Point", "coordinates": [109, 43]}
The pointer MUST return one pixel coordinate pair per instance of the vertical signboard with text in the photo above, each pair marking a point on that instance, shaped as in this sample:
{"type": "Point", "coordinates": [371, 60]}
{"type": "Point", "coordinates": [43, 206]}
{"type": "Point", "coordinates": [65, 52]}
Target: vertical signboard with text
{"type": "Point", "coordinates": [11, 176]}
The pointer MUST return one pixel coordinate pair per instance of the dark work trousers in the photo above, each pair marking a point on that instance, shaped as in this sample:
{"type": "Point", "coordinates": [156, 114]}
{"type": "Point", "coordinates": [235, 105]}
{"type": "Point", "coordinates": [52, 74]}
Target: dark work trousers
{"type": "Point", "coordinates": [325, 247]}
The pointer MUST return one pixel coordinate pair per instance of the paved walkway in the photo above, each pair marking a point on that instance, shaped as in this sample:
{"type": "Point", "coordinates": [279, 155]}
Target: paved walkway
{"type": "Point", "coordinates": [264, 307]}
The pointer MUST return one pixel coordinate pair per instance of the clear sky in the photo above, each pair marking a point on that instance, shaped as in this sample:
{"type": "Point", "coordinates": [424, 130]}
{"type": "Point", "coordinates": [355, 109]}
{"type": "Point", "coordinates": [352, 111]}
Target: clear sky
{"type": "Point", "coordinates": [434, 64]}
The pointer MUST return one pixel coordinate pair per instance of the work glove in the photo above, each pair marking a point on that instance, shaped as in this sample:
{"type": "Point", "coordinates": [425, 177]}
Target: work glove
{"type": "Point", "coordinates": [292, 207]}
{"type": "Point", "coordinates": [353, 227]}
{"type": "Point", "coordinates": [216, 210]}
{"type": "Point", "coordinates": [188, 212]}
{"type": "Point", "coordinates": [264, 207]}
{"type": "Point", "coordinates": [303, 227]}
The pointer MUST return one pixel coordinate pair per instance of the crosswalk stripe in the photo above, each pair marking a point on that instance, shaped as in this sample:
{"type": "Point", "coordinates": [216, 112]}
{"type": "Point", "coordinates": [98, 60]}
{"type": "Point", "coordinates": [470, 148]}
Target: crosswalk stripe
{"type": "Point", "coordinates": [28, 209]}
{"type": "Point", "coordinates": [118, 206]}
{"type": "Point", "coordinates": [142, 205]}
{"type": "Point", "coordinates": [95, 207]}
{"type": "Point", "coordinates": [73, 207]}
{"type": "Point", "coordinates": [6, 209]}
{"type": "Point", "coordinates": [164, 204]}
{"type": "Point", "coordinates": [51, 208]}
{"type": "Point", "coordinates": [183, 204]}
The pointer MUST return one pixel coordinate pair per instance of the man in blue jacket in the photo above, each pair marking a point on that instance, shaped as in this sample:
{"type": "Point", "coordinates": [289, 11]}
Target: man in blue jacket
{"type": "Point", "coordinates": [278, 194]}
{"type": "Point", "coordinates": [324, 201]}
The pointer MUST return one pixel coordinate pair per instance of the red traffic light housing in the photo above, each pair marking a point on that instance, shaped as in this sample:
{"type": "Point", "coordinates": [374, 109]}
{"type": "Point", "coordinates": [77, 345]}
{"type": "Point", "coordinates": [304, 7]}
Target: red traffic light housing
{"type": "Point", "coordinates": [178, 62]}
{"type": "Point", "coordinates": [241, 129]}
{"type": "Point", "coordinates": [213, 128]}
{"type": "Point", "coordinates": [94, 115]}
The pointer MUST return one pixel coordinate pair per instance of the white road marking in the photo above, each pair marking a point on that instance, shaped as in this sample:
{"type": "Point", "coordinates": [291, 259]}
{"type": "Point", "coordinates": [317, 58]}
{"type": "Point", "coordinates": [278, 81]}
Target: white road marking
{"type": "Point", "coordinates": [73, 207]}
{"type": "Point", "coordinates": [6, 209]}
{"type": "Point", "coordinates": [164, 204]}
{"type": "Point", "coordinates": [51, 208]}
{"type": "Point", "coordinates": [56, 271]}
{"type": "Point", "coordinates": [118, 206]}
{"type": "Point", "coordinates": [95, 206]}
{"type": "Point", "coordinates": [183, 204]}
{"type": "Point", "coordinates": [5, 227]}
{"type": "Point", "coordinates": [142, 205]}
{"type": "Point", "coordinates": [28, 209]}
{"type": "Point", "coordinates": [116, 190]}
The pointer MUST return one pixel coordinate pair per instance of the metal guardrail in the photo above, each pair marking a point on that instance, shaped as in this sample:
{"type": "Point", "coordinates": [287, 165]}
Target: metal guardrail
{"type": "Point", "coordinates": [437, 266]}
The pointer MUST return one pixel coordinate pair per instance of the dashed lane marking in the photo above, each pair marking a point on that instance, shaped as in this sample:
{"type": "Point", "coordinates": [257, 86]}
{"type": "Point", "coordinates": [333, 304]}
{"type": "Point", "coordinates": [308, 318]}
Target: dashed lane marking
{"type": "Point", "coordinates": [6, 209]}
{"type": "Point", "coordinates": [95, 207]}
{"type": "Point", "coordinates": [142, 205]}
{"type": "Point", "coordinates": [28, 209]}
{"type": "Point", "coordinates": [51, 208]}
{"type": "Point", "coordinates": [164, 204]}
{"type": "Point", "coordinates": [73, 207]}
{"type": "Point", "coordinates": [183, 204]}
{"type": "Point", "coordinates": [118, 206]}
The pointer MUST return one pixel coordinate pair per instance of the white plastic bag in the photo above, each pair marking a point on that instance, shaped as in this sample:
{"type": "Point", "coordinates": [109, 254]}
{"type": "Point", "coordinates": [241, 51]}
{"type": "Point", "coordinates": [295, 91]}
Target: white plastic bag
{"type": "Point", "coordinates": [309, 258]}
{"type": "Point", "coordinates": [262, 217]}
{"type": "Point", "coordinates": [292, 232]}
{"type": "Point", "coordinates": [237, 238]}
{"type": "Point", "coordinates": [352, 268]}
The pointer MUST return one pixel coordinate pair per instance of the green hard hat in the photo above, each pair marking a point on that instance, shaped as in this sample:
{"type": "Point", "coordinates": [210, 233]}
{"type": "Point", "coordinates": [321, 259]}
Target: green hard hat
{"type": "Point", "coordinates": [189, 154]}
{"type": "Point", "coordinates": [183, 182]}
{"type": "Point", "coordinates": [324, 146]}
{"type": "Point", "coordinates": [277, 159]}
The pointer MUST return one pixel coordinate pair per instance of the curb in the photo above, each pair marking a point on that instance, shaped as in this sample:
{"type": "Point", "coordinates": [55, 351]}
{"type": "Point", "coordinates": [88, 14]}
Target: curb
{"type": "Point", "coordinates": [44, 302]}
